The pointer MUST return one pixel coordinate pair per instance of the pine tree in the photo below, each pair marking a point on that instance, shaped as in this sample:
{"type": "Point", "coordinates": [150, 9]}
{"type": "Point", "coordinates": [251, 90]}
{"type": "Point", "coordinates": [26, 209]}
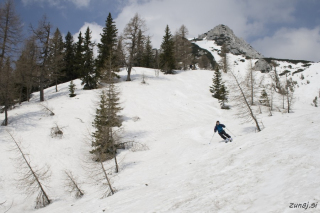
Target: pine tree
{"type": "Point", "coordinates": [148, 57]}
{"type": "Point", "coordinates": [216, 83]}
{"type": "Point", "coordinates": [223, 96]}
{"type": "Point", "coordinates": [56, 57]}
{"type": "Point", "coordinates": [69, 59]}
{"type": "Point", "coordinates": [104, 140]}
{"type": "Point", "coordinates": [90, 75]}
{"type": "Point", "coordinates": [167, 59]}
{"type": "Point", "coordinates": [140, 50]}
{"type": "Point", "coordinates": [218, 89]}
{"type": "Point", "coordinates": [72, 88]}
{"type": "Point", "coordinates": [107, 47]}
{"type": "Point", "coordinates": [79, 57]}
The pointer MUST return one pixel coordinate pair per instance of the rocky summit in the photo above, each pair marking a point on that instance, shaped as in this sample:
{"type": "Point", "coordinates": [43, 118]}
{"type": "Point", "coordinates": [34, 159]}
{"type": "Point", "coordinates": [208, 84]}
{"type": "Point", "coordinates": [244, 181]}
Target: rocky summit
{"type": "Point", "coordinates": [222, 34]}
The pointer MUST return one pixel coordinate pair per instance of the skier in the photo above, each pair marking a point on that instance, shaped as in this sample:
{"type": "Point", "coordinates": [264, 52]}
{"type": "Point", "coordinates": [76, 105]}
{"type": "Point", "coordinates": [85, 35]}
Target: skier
{"type": "Point", "coordinates": [219, 127]}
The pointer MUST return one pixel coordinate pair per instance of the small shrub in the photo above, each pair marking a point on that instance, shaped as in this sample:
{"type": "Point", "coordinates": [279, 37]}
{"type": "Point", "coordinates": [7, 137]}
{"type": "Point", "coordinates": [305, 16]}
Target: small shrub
{"type": "Point", "coordinates": [56, 132]}
{"type": "Point", "coordinates": [72, 88]}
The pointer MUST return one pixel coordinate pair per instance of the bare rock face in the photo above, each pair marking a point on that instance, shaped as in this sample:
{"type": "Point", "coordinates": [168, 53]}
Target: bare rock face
{"type": "Point", "coordinates": [222, 34]}
{"type": "Point", "coordinates": [262, 65]}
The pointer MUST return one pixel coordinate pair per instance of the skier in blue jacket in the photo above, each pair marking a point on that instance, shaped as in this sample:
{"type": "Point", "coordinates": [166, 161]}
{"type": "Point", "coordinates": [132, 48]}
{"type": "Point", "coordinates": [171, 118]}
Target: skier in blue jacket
{"type": "Point", "coordinates": [219, 127]}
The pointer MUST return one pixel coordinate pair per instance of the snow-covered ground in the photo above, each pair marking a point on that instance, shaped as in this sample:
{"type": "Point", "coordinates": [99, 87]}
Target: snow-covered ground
{"type": "Point", "coordinates": [181, 171]}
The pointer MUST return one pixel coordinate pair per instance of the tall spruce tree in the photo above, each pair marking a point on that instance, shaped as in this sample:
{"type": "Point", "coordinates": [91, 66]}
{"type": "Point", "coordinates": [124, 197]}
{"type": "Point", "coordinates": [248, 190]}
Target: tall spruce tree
{"type": "Point", "coordinates": [216, 83]}
{"type": "Point", "coordinates": [69, 59]}
{"type": "Point", "coordinates": [167, 59]}
{"type": "Point", "coordinates": [79, 57]}
{"type": "Point", "coordinates": [218, 89]}
{"type": "Point", "coordinates": [89, 76]}
{"type": "Point", "coordinates": [140, 49]}
{"type": "Point", "coordinates": [107, 47]}
{"type": "Point", "coordinates": [104, 140]}
{"type": "Point", "coordinates": [223, 96]}
{"type": "Point", "coordinates": [56, 57]}
{"type": "Point", "coordinates": [148, 58]}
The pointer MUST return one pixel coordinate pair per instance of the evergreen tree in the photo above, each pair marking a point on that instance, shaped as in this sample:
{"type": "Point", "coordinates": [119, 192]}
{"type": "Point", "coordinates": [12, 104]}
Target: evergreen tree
{"type": "Point", "coordinates": [167, 59]}
{"type": "Point", "coordinates": [216, 83]}
{"type": "Point", "coordinates": [223, 96]}
{"type": "Point", "coordinates": [72, 88]}
{"type": "Point", "coordinates": [218, 89]}
{"type": "Point", "coordinates": [79, 57]}
{"type": "Point", "coordinates": [69, 59]}
{"type": "Point", "coordinates": [104, 140]}
{"type": "Point", "coordinates": [148, 58]}
{"type": "Point", "coordinates": [107, 47]}
{"type": "Point", "coordinates": [89, 75]}
{"type": "Point", "coordinates": [140, 50]}
{"type": "Point", "coordinates": [56, 57]}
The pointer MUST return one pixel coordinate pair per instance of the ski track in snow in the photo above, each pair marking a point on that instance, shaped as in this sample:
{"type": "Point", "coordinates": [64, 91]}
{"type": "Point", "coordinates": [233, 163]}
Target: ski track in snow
{"type": "Point", "coordinates": [181, 171]}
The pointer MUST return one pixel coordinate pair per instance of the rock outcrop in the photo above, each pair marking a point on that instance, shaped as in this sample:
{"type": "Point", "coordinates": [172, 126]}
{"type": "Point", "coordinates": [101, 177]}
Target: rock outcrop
{"type": "Point", "coordinates": [262, 65]}
{"type": "Point", "coordinates": [222, 34]}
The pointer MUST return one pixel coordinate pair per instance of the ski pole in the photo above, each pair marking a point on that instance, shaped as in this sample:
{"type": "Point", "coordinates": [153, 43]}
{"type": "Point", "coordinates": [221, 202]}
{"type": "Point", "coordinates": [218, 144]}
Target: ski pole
{"type": "Point", "coordinates": [231, 132]}
{"type": "Point", "coordinates": [212, 137]}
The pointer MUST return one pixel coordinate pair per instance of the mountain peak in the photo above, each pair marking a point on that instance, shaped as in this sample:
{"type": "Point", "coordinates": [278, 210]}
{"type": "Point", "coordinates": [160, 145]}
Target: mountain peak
{"type": "Point", "coordinates": [222, 34]}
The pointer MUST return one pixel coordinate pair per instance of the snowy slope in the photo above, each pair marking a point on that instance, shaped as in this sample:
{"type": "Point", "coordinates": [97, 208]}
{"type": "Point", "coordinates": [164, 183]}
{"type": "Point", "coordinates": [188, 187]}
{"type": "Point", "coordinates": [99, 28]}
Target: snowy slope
{"type": "Point", "coordinates": [181, 171]}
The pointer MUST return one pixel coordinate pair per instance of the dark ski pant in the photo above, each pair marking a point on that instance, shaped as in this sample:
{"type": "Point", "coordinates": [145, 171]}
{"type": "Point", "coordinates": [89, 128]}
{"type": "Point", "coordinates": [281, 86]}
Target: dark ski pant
{"type": "Point", "coordinates": [224, 135]}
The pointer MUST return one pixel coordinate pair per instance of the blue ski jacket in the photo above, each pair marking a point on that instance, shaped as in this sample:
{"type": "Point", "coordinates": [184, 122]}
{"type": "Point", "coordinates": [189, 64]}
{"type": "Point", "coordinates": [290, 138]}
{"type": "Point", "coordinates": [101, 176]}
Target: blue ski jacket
{"type": "Point", "coordinates": [219, 128]}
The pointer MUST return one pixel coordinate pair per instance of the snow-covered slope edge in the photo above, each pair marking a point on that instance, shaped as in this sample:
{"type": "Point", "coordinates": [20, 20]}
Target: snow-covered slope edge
{"type": "Point", "coordinates": [181, 172]}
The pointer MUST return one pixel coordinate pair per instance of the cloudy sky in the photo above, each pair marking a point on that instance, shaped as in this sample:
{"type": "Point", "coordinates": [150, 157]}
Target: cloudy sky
{"type": "Point", "coordinates": [276, 28]}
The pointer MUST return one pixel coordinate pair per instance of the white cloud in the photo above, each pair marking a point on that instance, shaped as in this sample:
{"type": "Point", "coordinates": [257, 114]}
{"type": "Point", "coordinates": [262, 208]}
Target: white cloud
{"type": "Point", "coordinates": [59, 3]}
{"type": "Point", "coordinates": [245, 17]}
{"type": "Point", "coordinates": [291, 43]}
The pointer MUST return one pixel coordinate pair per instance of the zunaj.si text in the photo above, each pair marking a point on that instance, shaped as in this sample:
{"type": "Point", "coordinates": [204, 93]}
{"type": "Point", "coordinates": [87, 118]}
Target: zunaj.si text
{"type": "Point", "coordinates": [303, 205]}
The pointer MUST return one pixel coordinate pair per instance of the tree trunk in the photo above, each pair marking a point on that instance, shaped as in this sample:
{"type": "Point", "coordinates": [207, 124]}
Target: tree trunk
{"type": "Point", "coordinates": [5, 122]}
{"type": "Point", "coordinates": [41, 88]}
{"type": "Point", "coordinates": [20, 95]}
{"type": "Point", "coordinates": [246, 102]}
{"type": "Point", "coordinates": [56, 85]}
{"type": "Point", "coordinates": [129, 72]}
{"type": "Point", "coordinates": [106, 176]}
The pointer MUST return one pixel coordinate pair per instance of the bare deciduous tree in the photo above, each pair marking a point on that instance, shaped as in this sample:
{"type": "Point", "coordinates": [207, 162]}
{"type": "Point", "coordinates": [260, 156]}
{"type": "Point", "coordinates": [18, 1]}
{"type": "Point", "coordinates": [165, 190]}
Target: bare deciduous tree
{"type": "Point", "coordinates": [224, 61]}
{"type": "Point", "coordinates": [72, 185]}
{"type": "Point", "coordinates": [289, 93]}
{"type": "Point", "coordinates": [42, 35]}
{"type": "Point", "coordinates": [31, 178]}
{"type": "Point", "coordinates": [252, 82]}
{"type": "Point", "coordinates": [183, 48]}
{"type": "Point", "coordinates": [10, 30]}
{"type": "Point", "coordinates": [10, 37]}
{"type": "Point", "coordinates": [130, 36]}
{"type": "Point", "coordinates": [47, 109]}
{"type": "Point", "coordinates": [7, 89]}
{"type": "Point", "coordinates": [26, 69]}
{"type": "Point", "coordinates": [240, 96]}
{"type": "Point", "coordinates": [98, 176]}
